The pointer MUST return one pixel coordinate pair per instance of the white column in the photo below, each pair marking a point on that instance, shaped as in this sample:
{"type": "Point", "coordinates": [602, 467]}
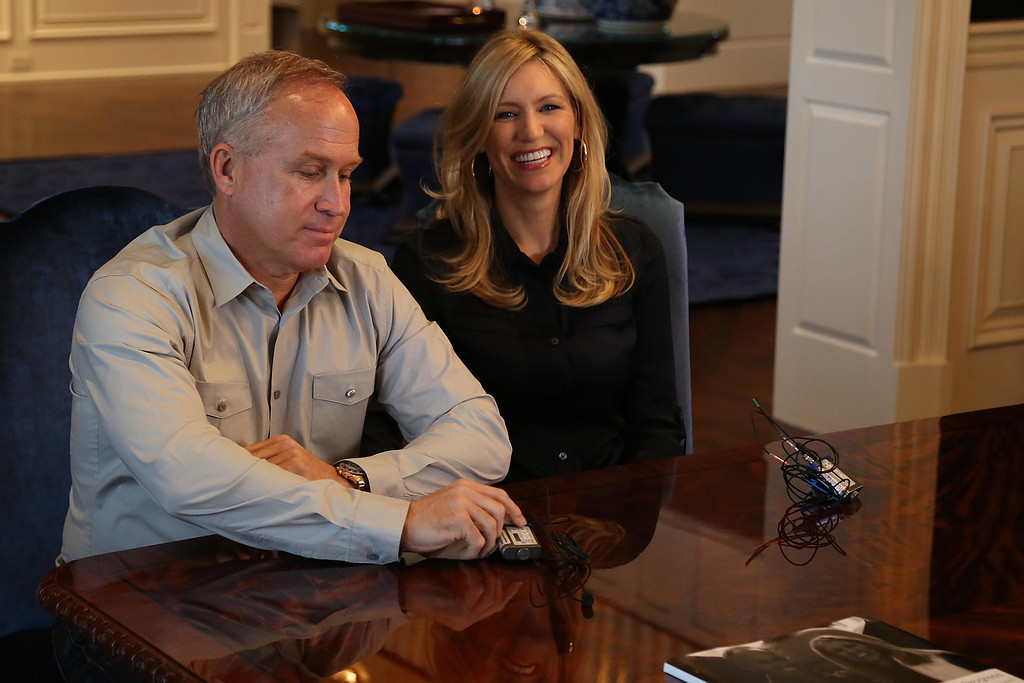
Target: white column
{"type": "Point", "coordinates": [867, 221]}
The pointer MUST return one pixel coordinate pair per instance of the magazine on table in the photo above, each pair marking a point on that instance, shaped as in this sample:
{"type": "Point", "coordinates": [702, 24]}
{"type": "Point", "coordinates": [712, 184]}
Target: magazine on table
{"type": "Point", "coordinates": [853, 650]}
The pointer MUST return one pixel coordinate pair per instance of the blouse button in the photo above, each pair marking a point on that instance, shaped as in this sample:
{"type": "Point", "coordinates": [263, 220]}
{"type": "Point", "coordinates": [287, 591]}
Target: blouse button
{"type": "Point", "coordinates": [222, 405]}
{"type": "Point", "coordinates": [350, 393]}
{"type": "Point", "coordinates": [277, 393]}
{"type": "Point", "coordinates": [555, 341]}
{"type": "Point", "coordinates": [563, 455]}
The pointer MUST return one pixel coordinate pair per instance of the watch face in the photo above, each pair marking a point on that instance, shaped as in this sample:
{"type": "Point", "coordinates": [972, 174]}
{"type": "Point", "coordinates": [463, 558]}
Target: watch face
{"type": "Point", "coordinates": [353, 473]}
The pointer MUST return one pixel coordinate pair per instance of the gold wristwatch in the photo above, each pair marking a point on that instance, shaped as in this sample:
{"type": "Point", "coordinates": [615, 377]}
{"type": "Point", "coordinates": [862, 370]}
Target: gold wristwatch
{"type": "Point", "coordinates": [353, 473]}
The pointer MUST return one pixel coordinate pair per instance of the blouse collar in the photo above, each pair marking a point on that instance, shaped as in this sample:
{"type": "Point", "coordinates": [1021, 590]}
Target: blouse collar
{"type": "Point", "coordinates": [510, 256]}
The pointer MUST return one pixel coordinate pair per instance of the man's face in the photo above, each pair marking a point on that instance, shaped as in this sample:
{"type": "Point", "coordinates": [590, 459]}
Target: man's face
{"type": "Point", "coordinates": [285, 206]}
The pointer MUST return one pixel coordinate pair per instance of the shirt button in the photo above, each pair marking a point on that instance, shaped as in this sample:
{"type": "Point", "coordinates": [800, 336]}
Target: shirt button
{"type": "Point", "coordinates": [350, 393]}
{"type": "Point", "coordinates": [222, 405]}
{"type": "Point", "coordinates": [277, 393]}
{"type": "Point", "coordinates": [555, 341]}
{"type": "Point", "coordinates": [563, 455]}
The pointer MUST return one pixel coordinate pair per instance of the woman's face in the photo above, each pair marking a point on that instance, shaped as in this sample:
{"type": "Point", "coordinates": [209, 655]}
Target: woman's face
{"type": "Point", "coordinates": [530, 144]}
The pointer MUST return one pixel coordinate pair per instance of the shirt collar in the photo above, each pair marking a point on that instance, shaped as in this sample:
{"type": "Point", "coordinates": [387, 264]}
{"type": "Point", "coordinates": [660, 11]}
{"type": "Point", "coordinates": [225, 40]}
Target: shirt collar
{"type": "Point", "coordinates": [511, 256]}
{"type": "Point", "coordinates": [229, 278]}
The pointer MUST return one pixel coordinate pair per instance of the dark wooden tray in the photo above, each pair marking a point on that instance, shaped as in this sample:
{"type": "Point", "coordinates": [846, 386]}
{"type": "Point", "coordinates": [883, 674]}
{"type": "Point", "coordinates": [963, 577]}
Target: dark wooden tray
{"type": "Point", "coordinates": [413, 15]}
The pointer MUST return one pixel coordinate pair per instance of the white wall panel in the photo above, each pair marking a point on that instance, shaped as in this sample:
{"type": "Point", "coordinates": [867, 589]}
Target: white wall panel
{"type": "Point", "coordinates": [853, 33]}
{"type": "Point", "coordinates": [5, 20]}
{"type": "Point", "coordinates": [842, 214]}
{"type": "Point", "coordinates": [56, 40]}
{"type": "Point", "coordinates": [55, 19]}
{"type": "Point", "coordinates": [999, 278]}
{"type": "Point", "coordinates": [986, 334]}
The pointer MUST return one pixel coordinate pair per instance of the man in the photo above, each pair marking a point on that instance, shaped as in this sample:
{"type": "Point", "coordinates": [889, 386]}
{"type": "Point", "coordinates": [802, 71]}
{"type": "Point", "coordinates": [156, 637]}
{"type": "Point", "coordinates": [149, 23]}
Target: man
{"type": "Point", "coordinates": [221, 364]}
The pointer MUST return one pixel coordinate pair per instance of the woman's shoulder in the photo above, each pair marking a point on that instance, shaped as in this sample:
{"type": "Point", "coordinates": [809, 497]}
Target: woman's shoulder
{"type": "Point", "coordinates": [432, 238]}
{"type": "Point", "coordinates": [427, 244]}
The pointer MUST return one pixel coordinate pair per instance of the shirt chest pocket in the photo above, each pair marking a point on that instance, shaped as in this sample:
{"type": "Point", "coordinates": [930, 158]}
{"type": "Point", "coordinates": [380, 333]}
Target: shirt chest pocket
{"type": "Point", "coordinates": [228, 407]}
{"type": "Point", "coordinates": [346, 388]}
{"type": "Point", "coordinates": [340, 400]}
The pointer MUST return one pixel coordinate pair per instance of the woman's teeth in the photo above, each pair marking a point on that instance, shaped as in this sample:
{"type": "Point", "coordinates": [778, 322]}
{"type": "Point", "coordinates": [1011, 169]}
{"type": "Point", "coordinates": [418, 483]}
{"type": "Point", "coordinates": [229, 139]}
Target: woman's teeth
{"type": "Point", "coordinates": [532, 157]}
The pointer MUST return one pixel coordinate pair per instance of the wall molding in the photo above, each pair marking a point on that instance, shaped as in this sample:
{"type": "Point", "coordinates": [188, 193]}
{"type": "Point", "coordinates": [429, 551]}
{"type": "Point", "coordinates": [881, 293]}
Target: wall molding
{"type": "Point", "coordinates": [122, 72]}
{"type": "Point", "coordinates": [6, 20]}
{"type": "Point", "coordinates": [43, 21]}
{"type": "Point", "coordinates": [995, 44]}
{"type": "Point", "coordinates": [999, 314]}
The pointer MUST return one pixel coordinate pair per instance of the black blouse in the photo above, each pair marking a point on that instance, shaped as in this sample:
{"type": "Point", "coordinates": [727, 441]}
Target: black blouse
{"type": "Point", "coordinates": [579, 388]}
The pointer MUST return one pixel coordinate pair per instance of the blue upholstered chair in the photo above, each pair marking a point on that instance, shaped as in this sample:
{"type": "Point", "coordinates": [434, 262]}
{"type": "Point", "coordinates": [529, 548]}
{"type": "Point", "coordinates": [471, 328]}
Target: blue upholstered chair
{"type": "Point", "coordinates": [47, 254]}
{"type": "Point", "coordinates": [374, 100]}
{"type": "Point", "coordinates": [650, 203]}
{"type": "Point", "coordinates": [665, 216]}
{"type": "Point", "coordinates": [624, 96]}
{"type": "Point", "coordinates": [412, 146]}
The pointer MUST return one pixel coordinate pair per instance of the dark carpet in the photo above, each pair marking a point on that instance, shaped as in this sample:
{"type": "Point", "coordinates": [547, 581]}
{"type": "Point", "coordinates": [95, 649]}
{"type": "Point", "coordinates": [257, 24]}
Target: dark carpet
{"type": "Point", "coordinates": [729, 258]}
{"type": "Point", "coordinates": [732, 258]}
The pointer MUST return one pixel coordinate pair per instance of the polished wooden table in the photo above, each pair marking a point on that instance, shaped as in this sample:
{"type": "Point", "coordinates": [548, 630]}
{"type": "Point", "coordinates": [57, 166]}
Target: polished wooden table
{"type": "Point", "coordinates": [685, 554]}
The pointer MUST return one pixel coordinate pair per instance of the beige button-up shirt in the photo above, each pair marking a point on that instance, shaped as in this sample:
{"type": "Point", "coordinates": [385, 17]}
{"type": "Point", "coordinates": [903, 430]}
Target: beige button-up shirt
{"type": "Point", "coordinates": [180, 358]}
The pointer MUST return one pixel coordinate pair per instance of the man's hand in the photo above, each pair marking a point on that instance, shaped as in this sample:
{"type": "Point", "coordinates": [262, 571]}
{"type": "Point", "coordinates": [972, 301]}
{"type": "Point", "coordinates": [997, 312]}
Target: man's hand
{"type": "Point", "coordinates": [285, 452]}
{"type": "Point", "coordinates": [463, 512]}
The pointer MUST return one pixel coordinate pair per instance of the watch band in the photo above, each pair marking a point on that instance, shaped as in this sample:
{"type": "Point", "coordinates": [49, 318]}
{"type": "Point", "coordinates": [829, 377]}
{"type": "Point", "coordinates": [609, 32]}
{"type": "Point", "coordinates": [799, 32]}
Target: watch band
{"type": "Point", "coordinates": [353, 473]}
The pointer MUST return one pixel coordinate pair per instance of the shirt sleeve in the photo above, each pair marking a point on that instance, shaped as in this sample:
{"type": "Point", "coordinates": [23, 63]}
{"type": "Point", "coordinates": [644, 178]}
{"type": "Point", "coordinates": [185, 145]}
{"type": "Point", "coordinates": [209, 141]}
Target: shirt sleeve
{"type": "Point", "coordinates": [452, 426]}
{"type": "Point", "coordinates": [130, 367]}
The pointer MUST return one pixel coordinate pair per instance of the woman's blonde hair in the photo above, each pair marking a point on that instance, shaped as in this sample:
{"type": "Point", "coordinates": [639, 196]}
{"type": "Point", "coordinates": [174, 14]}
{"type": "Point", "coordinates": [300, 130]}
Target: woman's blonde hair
{"type": "Point", "coordinates": [595, 267]}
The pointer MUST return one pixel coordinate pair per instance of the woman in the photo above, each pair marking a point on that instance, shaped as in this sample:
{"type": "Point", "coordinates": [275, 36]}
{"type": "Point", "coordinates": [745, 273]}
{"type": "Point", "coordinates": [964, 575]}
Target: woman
{"type": "Point", "coordinates": [558, 306]}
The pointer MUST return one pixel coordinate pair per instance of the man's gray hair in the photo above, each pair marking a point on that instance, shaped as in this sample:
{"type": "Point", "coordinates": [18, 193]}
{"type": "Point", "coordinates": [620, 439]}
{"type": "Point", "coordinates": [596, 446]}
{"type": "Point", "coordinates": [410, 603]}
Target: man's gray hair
{"type": "Point", "coordinates": [232, 106]}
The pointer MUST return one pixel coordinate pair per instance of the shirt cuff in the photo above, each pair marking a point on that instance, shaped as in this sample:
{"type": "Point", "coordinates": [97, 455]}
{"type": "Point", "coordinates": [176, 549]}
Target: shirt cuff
{"type": "Point", "coordinates": [384, 475]}
{"type": "Point", "coordinates": [377, 528]}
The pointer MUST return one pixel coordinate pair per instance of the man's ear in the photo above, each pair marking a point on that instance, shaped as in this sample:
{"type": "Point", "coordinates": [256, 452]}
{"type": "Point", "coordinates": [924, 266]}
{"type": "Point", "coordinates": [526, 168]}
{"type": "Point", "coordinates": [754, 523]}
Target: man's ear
{"type": "Point", "coordinates": [223, 163]}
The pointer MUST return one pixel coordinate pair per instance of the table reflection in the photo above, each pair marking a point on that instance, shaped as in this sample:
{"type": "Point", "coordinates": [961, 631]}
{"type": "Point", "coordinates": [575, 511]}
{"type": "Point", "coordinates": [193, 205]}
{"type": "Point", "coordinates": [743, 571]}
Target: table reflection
{"type": "Point", "coordinates": [306, 621]}
{"type": "Point", "coordinates": [229, 612]}
{"type": "Point", "coordinates": [807, 527]}
{"type": "Point", "coordinates": [933, 549]}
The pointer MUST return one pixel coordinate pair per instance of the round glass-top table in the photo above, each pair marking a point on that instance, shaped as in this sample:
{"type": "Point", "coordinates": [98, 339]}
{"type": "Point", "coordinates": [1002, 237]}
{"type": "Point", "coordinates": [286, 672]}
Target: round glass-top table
{"type": "Point", "coordinates": [691, 37]}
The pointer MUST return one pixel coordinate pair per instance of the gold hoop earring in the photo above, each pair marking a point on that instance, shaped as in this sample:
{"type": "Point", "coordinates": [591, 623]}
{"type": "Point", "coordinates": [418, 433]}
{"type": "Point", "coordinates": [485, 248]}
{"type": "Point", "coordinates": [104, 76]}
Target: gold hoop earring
{"type": "Point", "coordinates": [583, 155]}
{"type": "Point", "coordinates": [472, 169]}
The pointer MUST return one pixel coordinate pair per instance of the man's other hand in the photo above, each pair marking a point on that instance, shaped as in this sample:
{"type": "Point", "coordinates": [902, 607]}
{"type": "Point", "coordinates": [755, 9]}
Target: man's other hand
{"type": "Point", "coordinates": [286, 453]}
{"type": "Point", "coordinates": [463, 512]}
